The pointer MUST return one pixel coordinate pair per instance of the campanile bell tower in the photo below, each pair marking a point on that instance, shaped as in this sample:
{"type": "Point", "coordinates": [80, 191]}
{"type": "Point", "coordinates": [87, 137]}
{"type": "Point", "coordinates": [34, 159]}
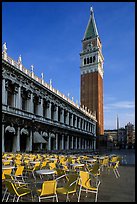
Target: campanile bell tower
{"type": "Point", "coordinates": [92, 73]}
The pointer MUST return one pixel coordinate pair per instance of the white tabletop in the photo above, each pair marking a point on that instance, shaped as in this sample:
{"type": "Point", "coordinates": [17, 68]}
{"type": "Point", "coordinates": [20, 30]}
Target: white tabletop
{"type": "Point", "coordinates": [91, 160]}
{"type": "Point", "coordinates": [7, 160]}
{"type": "Point", "coordinates": [45, 171]}
{"type": "Point", "coordinates": [34, 162]}
{"type": "Point", "coordinates": [102, 157]}
{"type": "Point", "coordinates": [7, 167]}
{"type": "Point", "coordinates": [52, 159]}
{"type": "Point", "coordinates": [76, 164]}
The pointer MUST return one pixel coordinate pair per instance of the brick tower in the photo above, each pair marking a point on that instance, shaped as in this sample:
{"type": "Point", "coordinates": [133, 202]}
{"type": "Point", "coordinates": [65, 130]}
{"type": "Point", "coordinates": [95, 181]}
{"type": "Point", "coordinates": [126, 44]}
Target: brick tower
{"type": "Point", "coordinates": [92, 73]}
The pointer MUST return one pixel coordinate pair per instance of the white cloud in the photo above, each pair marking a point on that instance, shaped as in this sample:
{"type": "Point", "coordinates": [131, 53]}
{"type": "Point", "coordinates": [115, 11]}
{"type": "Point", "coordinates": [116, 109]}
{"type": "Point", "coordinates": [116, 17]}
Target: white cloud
{"type": "Point", "coordinates": [120, 105]}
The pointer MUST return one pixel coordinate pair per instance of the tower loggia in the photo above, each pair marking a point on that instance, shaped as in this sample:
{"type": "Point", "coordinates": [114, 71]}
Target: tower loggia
{"type": "Point", "coordinates": [92, 73]}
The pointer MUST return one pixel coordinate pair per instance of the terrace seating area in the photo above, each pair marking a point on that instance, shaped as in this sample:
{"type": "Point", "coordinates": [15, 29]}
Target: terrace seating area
{"type": "Point", "coordinates": [53, 177]}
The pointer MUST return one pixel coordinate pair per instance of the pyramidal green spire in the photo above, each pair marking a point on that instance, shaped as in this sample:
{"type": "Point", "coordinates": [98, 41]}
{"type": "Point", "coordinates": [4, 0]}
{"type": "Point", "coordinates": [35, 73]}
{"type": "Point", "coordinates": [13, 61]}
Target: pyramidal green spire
{"type": "Point", "coordinates": [91, 30]}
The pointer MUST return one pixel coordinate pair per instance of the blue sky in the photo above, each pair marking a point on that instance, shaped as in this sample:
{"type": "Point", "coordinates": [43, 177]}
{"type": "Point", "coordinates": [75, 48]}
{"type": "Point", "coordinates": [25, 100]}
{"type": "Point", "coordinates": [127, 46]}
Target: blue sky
{"type": "Point", "coordinates": [48, 35]}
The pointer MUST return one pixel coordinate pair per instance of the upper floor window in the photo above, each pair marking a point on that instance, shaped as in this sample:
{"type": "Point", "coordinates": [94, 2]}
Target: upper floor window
{"type": "Point", "coordinates": [87, 60]}
{"type": "Point", "coordinates": [94, 58]}
{"type": "Point", "coordinates": [84, 61]}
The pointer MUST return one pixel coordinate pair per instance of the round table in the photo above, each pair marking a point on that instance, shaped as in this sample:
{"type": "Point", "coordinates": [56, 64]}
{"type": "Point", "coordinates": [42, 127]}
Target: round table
{"type": "Point", "coordinates": [7, 167]}
{"type": "Point", "coordinates": [91, 160]}
{"type": "Point", "coordinates": [52, 159]}
{"type": "Point", "coordinates": [77, 165]}
{"type": "Point", "coordinates": [45, 172]}
{"type": "Point", "coordinates": [34, 162]}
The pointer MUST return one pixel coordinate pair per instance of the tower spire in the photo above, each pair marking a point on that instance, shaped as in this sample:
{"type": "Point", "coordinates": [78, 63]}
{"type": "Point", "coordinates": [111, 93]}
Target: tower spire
{"type": "Point", "coordinates": [91, 30]}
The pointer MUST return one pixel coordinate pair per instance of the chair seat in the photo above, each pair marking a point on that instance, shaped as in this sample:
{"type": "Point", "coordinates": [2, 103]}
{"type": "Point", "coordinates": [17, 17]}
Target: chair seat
{"type": "Point", "coordinates": [90, 188]}
{"type": "Point", "coordinates": [63, 190]}
{"type": "Point", "coordinates": [23, 191]}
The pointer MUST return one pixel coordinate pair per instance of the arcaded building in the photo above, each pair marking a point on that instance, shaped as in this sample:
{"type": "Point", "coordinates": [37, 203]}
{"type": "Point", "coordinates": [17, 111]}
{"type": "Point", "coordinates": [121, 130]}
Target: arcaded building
{"type": "Point", "coordinates": [92, 73]}
{"type": "Point", "coordinates": [36, 116]}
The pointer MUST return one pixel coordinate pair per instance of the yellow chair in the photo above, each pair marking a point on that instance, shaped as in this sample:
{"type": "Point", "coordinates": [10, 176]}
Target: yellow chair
{"type": "Point", "coordinates": [95, 169]}
{"type": "Point", "coordinates": [114, 166]}
{"type": "Point", "coordinates": [104, 163]}
{"type": "Point", "coordinates": [17, 162]}
{"type": "Point", "coordinates": [70, 187]}
{"type": "Point", "coordinates": [5, 163]}
{"type": "Point", "coordinates": [88, 183]}
{"type": "Point", "coordinates": [19, 173]}
{"type": "Point", "coordinates": [17, 183]}
{"type": "Point", "coordinates": [48, 190]}
{"type": "Point", "coordinates": [43, 165]}
{"type": "Point", "coordinates": [16, 192]}
{"type": "Point", "coordinates": [33, 169]}
{"type": "Point", "coordinates": [6, 171]}
{"type": "Point", "coordinates": [52, 165]}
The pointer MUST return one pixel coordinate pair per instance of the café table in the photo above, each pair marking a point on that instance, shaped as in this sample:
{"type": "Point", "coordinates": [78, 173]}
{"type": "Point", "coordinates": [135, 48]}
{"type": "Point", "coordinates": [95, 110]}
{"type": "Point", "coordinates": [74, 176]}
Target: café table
{"type": "Point", "coordinates": [7, 167]}
{"type": "Point", "coordinates": [46, 172]}
{"type": "Point", "coordinates": [77, 165]}
{"type": "Point", "coordinates": [91, 160]}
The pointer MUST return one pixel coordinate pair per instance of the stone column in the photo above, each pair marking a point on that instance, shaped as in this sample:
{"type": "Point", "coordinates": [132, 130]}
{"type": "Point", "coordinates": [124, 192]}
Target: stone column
{"type": "Point", "coordinates": [94, 144]}
{"type": "Point", "coordinates": [31, 103]}
{"type": "Point", "coordinates": [27, 144]}
{"type": "Point", "coordinates": [82, 124]}
{"type": "Point", "coordinates": [72, 142]}
{"type": "Point", "coordinates": [14, 146]}
{"type": "Point", "coordinates": [56, 113]}
{"type": "Point", "coordinates": [40, 107]}
{"type": "Point", "coordinates": [89, 127]}
{"type": "Point", "coordinates": [79, 143]}
{"type": "Point", "coordinates": [67, 141]}
{"type": "Point", "coordinates": [3, 92]}
{"type": "Point", "coordinates": [49, 110]}
{"type": "Point", "coordinates": [82, 143]}
{"type": "Point", "coordinates": [79, 123]}
{"type": "Point", "coordinates": [62, 142]}
{"type": "Point", "coordinates": [71, 124]}
{"type": "Point", "coordinates": [14, 99]}
{"type": "Point", "coordinates": [62, 115]}
{"type": "Point", "coordinates": [89, 144]}
{"type": "Point", "coordinates": [85, 144]}
{"type": "Point", "coordinates": [67, 118]}
{"type": "Point", "coordinates": [18, 98]}
{"type": "Point", "coordinates": [56, 141]}
{"type": "Point", "coordinates": [30, 141]}
{"type": "Point", "coordinates": [49, 142]}
{"type": "Point", "coordinates": [75, 121]}
{"type": "Point", "coordinates": [3, 145]}
{"type": "Point", "coordinates": [76, 143]}
{"type": "Point", "coordinates": [18, 140]}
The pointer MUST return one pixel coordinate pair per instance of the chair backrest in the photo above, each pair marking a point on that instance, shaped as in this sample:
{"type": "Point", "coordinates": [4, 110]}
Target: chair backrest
{"type": "Point", "coordinates": [105, 161]}
{"type": "Point", "coordinates": [116, 165]}
{"type": "Point", "coordinates": [95, 169]}
{"type": "Point", "coordinates": [52, 165]}
{"type": "Point", "coordinates": [17, 162]}
{"type": "Point", "coordinates": [6, 171]}
{"type": "Point", "coordinates": [72, 181]}
{"type": "Point", "coordinates": [6, 162]}
{"type": "Point", "coordinates": [84, 177]}
{"type": "Point", "coordinates": [11, 187]}
{"type": "Point", "coordinates": [48, 187]}
{"type": "Point", "coordinates": [43, 164]}
{"type": "Point", "coordinates": [114, 159]}
{"type": "Point", "coordinates": [19, 171]}
{"type": "Point", "coordinates": [9, 177]}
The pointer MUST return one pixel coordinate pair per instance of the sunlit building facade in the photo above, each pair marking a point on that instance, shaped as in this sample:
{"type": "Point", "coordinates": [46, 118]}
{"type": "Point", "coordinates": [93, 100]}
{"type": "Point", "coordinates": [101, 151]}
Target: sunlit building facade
{"type": "Point", "coordinates": [36, 116]}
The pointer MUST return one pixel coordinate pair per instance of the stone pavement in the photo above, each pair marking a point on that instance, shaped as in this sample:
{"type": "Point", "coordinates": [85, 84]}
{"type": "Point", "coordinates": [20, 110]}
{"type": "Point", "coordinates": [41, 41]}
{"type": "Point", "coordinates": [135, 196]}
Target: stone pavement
{"type": "Point", "coordinates": [111, 189]}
